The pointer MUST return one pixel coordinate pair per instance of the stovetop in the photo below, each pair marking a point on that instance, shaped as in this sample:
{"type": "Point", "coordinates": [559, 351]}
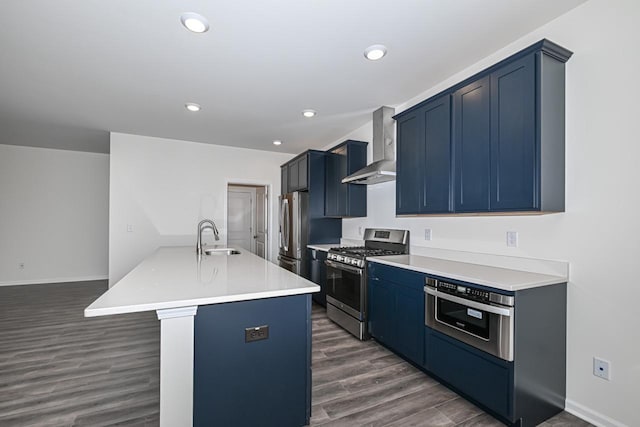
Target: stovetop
{"type": "Point", "coordinates": [362, 251]}
{"type": "Point", "coordinates": [377, 242]}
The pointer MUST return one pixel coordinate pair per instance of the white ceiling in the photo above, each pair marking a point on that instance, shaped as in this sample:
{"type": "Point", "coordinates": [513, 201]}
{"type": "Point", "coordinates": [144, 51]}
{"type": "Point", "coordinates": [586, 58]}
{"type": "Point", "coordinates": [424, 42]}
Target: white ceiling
{"type": "Point", "coordinates": [80, 68]}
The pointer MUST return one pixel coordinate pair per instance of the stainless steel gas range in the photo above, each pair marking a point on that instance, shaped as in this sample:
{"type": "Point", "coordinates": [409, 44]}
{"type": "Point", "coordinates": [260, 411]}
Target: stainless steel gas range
{"type": "Point", "coordinates": [347, 277]}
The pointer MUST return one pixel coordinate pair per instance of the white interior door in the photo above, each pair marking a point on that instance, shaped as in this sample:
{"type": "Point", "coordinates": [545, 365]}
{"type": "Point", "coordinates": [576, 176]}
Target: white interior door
{"type": "Point", "coordinates": [241, 218]}
{"type": "Point", "coordinates": [261, 222]}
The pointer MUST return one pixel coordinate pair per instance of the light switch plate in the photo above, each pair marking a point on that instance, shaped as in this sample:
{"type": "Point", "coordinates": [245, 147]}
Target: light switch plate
{"type": "Point", "coordinates": [427, 234]}
{"type": "Point", "coordinates": [512, 239]}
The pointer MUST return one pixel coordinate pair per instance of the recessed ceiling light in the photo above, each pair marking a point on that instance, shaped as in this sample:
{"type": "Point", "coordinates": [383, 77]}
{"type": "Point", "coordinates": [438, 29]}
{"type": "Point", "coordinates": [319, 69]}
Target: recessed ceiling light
{"type": "Point", "coordinates": [309, 113]}
{"type": "Point", "coordinates": [191, 106]}
{"type": "Point", "coordinates": [194, 22]}
{"type": "Point", "coordinates": [277, 142]}
{"type": "Point", "coordinates": [375, 52]}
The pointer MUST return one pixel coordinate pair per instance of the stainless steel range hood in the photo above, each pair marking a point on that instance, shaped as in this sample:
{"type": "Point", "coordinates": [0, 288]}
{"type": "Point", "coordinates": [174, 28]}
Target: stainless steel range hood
{"type": "Point", "coordinates": [383, 167]}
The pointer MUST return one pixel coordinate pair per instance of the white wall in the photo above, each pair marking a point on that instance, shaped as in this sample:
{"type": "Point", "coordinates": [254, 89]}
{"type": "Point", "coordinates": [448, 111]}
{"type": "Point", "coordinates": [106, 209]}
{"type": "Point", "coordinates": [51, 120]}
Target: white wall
{"type": "Point", "coordinates": [53, 215]}
{"type": "Point", "coordinates": [599, 232]}
{"type": "Point", "coordinates": [164, 187]}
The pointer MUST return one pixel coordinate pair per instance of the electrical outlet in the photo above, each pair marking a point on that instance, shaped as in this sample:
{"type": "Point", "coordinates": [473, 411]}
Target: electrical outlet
{"type": "Point", "coordinates": [129, 228]}
{"type": "Point", "coordinates": [512, 239]}
{"type": "Point", "coordinates": [360, 231]}
{"type": "Point", "coordinates": [601, 368]}
{"type": "Point", "coordinates": [427, 234]}
{"type": "Point", "coordinates": [21, 266]}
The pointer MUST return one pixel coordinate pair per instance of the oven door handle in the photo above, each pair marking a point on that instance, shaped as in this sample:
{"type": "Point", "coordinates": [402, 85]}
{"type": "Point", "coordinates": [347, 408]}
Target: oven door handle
{"type": "Point", "coordinates": [344, 267]}
{"type": "Point", "coordinates": [502, 311]}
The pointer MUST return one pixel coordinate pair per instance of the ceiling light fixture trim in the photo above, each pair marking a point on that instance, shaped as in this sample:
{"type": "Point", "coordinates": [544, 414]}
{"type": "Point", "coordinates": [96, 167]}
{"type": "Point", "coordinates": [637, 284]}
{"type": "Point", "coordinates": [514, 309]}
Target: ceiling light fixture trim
{"type": "Point", "coordinates": [277, 142]}
{"type": "Point", "coordinates": [194, 22]}
{"type": "Point", "coordinates": [375, 52]}
{"type": "Point", "coordinates": [309, 113]}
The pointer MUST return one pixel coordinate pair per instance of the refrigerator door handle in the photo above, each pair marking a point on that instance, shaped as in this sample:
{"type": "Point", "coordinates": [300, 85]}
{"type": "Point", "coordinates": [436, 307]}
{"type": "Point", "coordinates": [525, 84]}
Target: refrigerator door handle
{"type": "Point", "coordinates": [285, 222]}
{"type": "Point", "coordinates": [280, 242]}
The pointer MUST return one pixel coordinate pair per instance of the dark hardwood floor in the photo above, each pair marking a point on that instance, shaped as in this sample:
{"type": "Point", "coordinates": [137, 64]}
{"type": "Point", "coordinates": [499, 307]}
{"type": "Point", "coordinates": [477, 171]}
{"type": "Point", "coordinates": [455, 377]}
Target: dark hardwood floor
{"type": "Point", "coordinates": [58, 368]}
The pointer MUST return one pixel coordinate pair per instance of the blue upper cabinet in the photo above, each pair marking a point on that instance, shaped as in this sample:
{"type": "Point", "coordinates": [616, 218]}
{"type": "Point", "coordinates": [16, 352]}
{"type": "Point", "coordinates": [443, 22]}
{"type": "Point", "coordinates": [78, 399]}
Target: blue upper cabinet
{"type": "Point", "coordinates": [410, 150]}
{"type": "Point", "coordinates": [424, 159]}
{"type": "Point", "coordinates": [472, 136]}
{"type": "Point", "coordinates": [505, 132]}
{"type": "Point", "coordinates": [345, 200]}
{"type": "Point", "coordinates": [294, 174]}
{"type": "Point", "coordinates": [513, 137]}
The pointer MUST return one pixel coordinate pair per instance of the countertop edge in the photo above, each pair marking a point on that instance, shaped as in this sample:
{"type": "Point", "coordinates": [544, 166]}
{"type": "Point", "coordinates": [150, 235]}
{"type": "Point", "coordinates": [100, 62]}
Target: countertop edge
{"type": "Point", "coordinates": [546, 280]}
{"type": "Point", "coordinates": [139, 308]}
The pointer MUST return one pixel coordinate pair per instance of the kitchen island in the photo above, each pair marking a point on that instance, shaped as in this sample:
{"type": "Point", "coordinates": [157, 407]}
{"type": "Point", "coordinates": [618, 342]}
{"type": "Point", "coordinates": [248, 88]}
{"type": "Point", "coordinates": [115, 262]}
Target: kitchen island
{"type": "Point", "coordinates": [232, 323]}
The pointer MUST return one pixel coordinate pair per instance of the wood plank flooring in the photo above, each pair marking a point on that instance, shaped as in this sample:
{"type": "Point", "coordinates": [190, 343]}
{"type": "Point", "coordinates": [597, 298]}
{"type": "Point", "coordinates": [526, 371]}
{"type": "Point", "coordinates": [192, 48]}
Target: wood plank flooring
{"type": "Point", "coordinates": [58, 368]}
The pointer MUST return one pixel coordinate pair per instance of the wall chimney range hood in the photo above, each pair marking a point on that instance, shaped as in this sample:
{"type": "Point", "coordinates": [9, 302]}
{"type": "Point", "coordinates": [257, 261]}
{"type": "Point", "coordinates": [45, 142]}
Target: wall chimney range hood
{"type": "Point", "coordinates": [383, 168]}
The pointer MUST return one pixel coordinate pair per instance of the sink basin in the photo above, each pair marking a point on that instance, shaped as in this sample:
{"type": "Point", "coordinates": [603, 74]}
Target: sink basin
{"type": "Point", "coordinates": [221, 251]}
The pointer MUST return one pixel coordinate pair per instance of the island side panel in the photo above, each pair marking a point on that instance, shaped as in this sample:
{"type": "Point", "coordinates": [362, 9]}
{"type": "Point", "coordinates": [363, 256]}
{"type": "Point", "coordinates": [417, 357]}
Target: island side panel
{"type": "Point", "coordinates": [265, 382]}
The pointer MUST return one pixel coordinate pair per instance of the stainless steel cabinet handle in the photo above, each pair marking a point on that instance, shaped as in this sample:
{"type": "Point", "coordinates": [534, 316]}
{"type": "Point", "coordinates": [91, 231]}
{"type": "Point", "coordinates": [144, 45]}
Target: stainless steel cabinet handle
{"type": "Point", "coordinates": [507, 312]}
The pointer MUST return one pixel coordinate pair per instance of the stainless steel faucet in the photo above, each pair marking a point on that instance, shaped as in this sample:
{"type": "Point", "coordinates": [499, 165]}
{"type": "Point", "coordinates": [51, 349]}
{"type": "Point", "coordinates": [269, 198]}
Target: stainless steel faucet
{"type": "Point", "coordinates": [204, 225]}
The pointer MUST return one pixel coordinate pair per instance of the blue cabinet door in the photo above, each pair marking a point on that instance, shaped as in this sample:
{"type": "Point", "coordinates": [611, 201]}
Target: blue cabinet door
{"type": "Point", "coordinates": [318, 271]}
{"type": "Point", "coordinates": [284, 179]}
{"type": "Point", "coordinates": [409, 165]}
{"type": "Point", "coordinates": [423, 180]}
{"type": "Point", "coordinates": [259, 383]}
{"type": "Point", "coordinates": [436, 157]}
{"type": "Point", "coordinates": [341, 189]}
{"type": "Point", "coordinates": [332, 185]}
{"type": "Point", "coordinates": [396, 310]}
{"type": "Point", "coordinates": [513, 137]}
{"type": "Point", "coordinates": [345, 200]}
{"type": "Point", "coordinates": [381, 316]}
{"type": "Point", "coordinates": [303, 175]}
{"type": "Point", "coordinates": [357, 193]}
{"type": "Point", "coordinates": [472, 137]}
{"type": "Point", "coordinates": [409, 327]}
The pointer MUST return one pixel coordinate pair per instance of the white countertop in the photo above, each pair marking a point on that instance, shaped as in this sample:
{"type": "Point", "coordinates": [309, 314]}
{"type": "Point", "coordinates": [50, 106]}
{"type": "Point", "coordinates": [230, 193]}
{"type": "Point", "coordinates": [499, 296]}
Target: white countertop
{"type": "Point", "coordinates": [173, 277]}
{"type": "Point", "coordinates": [495, 277]}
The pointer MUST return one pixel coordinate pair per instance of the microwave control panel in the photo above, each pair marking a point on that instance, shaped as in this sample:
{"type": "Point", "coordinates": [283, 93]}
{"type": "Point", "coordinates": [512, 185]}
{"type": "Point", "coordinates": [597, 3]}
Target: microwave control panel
{"type": "Point", "coordinates": [464, 291]}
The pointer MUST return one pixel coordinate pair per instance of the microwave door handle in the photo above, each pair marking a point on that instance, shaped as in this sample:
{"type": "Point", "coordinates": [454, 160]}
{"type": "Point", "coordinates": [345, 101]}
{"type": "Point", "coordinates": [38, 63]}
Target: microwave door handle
{"type": "Point", "coordinates": [344, 267]}
{"type": "Point", "coordinates": [502, 311]}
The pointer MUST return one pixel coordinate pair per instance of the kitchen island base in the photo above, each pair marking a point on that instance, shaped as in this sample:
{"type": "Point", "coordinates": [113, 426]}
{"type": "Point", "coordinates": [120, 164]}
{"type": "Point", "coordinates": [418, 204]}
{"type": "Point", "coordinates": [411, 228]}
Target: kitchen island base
{"type": "Point", "coordinates": [252, 363]}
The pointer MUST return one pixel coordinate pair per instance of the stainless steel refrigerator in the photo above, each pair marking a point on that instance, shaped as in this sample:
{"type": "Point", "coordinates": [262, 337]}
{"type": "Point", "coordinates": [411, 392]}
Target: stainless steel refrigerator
{"type": "Point", "coordinates": [293, 233]}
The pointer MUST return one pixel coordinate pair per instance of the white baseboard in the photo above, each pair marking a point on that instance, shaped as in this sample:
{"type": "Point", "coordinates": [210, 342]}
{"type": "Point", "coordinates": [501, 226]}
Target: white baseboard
{"type": "Point", "coordinates": [590, 415]}
{"type": "Point", "coordinates": [53, 280]}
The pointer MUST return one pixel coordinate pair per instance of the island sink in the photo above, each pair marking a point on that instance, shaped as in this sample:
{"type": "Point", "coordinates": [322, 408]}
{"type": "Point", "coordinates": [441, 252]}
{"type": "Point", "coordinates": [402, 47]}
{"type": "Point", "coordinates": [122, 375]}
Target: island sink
{"type": "Point", "coordinates": [221, 251]}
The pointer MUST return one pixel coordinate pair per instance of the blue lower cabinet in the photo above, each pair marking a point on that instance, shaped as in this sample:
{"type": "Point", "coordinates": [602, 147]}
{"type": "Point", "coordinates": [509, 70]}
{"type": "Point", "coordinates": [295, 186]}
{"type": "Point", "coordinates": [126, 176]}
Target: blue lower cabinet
{"type": "Point", "coordinates": [243, 381]}
{"type": "Point", "coordinates": [318, 274]}
{"type": "Point", "coordinates": [481, 377]}
{"type": "Point", "coordinates": [410, 318]}
{"type": "Point", "coordinates": [381, 311]}
{"type": "Point", "coordinates": [396, 310]}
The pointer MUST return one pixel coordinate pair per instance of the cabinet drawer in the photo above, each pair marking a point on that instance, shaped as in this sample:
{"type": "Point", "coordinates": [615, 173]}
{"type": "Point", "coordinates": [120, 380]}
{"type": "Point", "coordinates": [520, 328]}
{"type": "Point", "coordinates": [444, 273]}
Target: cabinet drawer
{"type": "Point", "coordinates": [481, 377]}
{"type": "Point", "coordinates": [397, 275]}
